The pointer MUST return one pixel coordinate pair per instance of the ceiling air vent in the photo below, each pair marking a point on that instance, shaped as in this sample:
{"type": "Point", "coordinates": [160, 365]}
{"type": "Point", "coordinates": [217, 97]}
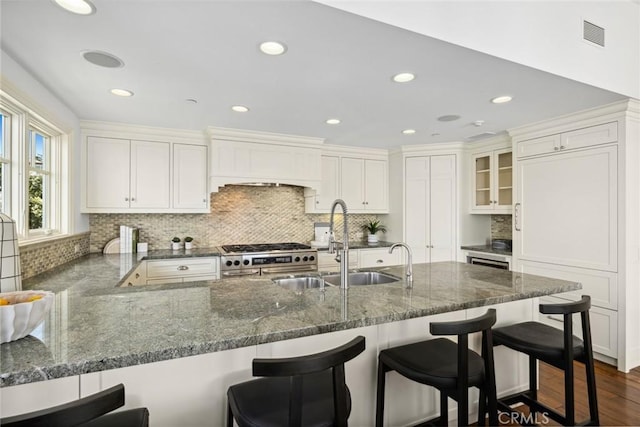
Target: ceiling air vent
{"type": "Point", "coordinates": [593, 33]}
{"type": "Point", "coordinates": [480, 136]}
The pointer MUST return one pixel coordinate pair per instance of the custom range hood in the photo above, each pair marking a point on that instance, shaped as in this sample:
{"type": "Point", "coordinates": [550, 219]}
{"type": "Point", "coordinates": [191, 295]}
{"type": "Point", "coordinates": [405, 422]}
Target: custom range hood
{"type": "Point", "coordinates": [243, 157]}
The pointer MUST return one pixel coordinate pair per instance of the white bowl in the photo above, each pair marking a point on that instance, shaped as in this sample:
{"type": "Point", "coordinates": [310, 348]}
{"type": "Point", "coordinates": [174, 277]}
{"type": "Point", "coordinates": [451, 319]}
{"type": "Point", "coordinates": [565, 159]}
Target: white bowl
{"type": "Point", "coordinates": [21, 316]}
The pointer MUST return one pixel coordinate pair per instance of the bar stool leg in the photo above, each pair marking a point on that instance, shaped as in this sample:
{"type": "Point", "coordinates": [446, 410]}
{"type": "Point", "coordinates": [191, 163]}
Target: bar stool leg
{"type": "Point", "coordinates": [444, 410]}
{"type": "Point", "coordinates": [382, 373]}
{"type": "Point", "coordinates": [568, 394]}
{"type": "Point", "coordinates": [482, 407]}
{"type": "Point", "coordinates": [229, 416]}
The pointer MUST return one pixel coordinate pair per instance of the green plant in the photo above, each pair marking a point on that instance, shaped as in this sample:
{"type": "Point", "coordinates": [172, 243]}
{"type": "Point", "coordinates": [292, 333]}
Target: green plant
{"type": "Point", "coordinates": [374, 226]}
{"type": "Point", "coordinates": [176, 240]}
{"type": "Point", "coordinates": [188, 239]}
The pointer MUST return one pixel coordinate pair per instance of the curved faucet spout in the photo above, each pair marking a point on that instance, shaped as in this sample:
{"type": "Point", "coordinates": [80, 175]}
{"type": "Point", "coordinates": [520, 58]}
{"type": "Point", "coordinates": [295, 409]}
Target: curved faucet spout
{"type": "Point", "coordinates": [343, 254]}
{"type": "Point", "coordinates": [409, 273]}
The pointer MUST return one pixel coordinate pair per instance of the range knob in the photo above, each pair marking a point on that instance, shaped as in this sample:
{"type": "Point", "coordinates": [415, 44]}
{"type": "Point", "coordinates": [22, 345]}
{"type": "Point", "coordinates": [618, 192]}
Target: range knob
{"type": "Point", "coordinates": [297, 259]}
{"type": "Point", "coordinates": [229, 263]}
{"type": "Point", "coordinates": [305, 259]}
{"type": "Point", "coordinates": [236, 262]}
{"type": "Point", "coordinates": [245, 262]}
{"type": "Point", "coordinates": [311, 258]}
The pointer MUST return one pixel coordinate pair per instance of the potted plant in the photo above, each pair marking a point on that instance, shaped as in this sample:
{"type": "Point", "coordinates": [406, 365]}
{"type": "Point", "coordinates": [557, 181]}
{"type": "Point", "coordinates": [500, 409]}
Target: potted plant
{"type": "Point", "coordinates": [188, 242]}
{"type": "Point", "coordinates": [175, 243]}
{"type": "Point", "coordinates": [372, 227]}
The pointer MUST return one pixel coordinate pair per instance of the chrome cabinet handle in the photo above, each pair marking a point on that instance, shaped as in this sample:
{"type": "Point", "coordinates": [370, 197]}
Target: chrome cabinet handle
{"type": "Point", "coordinates": [556, 148]}
{"type": "Point", "coordinates": [562, 147]}
{"type": "Point", "coordinates": [183, 267]}
{"type": "Point", "coordinates": [133, 199]}
{"type": "Point", "coordinates": [126, 199]}
{"type": "Point", "coordinates": [516, 214]}
{"type": "Point", "coordinates": [379, 261]}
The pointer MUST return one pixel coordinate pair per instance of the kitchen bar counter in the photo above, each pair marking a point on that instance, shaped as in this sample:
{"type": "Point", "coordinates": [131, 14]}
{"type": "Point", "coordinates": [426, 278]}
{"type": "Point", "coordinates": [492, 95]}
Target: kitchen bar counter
{"type": "Point", "coordinates": [487, 249]}
{"type": "Point", "coordinates": [95, 326]}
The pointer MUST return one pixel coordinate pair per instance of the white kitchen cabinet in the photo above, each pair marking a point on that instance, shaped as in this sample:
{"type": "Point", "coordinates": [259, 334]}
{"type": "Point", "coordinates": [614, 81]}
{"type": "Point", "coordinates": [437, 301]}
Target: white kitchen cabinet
{"type": "Point", "coordinates": [124, 174]}
{"type": "Point", "coordinates": [190, 176]}
{"type": "Point", "coordinates": [381, 257]}
{"type": "Point", "coordinates": [567, 209]}
{"type": "Point", "coordinates": [430, 207]}
{"type": "Point", "coordinates": [492, 182]}
{"type": "Point", "coordinates": [579, 138]}
{"type": "Point", "coordinates": [320, 201]}
{"type": "Point", "coordinates": [178, 270]}
{"type": "Point", "coordinates": [364, 184]}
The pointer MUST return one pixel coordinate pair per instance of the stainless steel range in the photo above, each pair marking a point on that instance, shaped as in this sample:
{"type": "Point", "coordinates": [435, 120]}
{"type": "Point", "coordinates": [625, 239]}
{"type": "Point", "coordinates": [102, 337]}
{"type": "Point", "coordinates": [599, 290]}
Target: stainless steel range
{"type": "Point", "coordinates": [265, 258]}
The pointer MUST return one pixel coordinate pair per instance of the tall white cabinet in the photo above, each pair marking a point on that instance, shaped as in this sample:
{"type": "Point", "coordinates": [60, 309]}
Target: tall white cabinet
{"type": "Point", "coordinates": [576, 217]}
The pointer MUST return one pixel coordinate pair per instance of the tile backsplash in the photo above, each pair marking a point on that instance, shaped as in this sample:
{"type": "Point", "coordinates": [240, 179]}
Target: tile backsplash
{"type": "Point", "coordinates": [37, 258]}
{"type": "Point", "coordinates": [239, 214]}
{"type": "Point", "coordinates": [501, 227]}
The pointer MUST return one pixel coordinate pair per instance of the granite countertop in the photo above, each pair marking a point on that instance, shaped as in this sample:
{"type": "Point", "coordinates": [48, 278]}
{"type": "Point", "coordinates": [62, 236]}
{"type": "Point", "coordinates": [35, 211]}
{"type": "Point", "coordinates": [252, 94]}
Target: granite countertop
{"type": "Point", "coordinates": [487, 249]}
{"type": "Point", "coordinates": [95, 326]}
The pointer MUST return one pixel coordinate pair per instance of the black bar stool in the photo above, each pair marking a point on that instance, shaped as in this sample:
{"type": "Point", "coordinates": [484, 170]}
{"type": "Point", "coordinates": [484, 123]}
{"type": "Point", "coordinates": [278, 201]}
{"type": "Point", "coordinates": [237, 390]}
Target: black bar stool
{"type": "Point", "coordinates": [451, 368]}
{"type": "Point", "coordinates": [307, 390]}
{"type": "Point", "coordinates": [90, 411]}
{"type": "Point", "coordinates": [558, 348]}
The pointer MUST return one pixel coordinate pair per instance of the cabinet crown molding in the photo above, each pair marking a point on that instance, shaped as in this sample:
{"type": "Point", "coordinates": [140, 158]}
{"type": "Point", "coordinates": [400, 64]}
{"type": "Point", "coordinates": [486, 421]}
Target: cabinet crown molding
{"type": "Point", "coordinates": [129, 131]}
{"type": "Point", "coordinates": [241, 135]}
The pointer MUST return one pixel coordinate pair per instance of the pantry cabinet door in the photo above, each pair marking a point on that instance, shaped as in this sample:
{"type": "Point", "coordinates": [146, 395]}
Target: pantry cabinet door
{"type": "Point", "coordinates": [443, 208]}
{"type": "Point", "coordinates": [417, 212]}
{"type": "Point", "coordinates": [107, 173]}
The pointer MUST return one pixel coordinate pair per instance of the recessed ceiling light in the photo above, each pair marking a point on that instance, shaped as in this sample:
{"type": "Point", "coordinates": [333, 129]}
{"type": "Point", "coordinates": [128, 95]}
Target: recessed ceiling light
{"type": "Point", "coordinates": [239, 108]}
{"type": "Point", "coordinates": [273, 48]}
{"type": "Point", "coordinates": [478, 123]}
{"type": "Point", "coordinates": [409, 131]}
{"type": "Point", "coordinates": [333, 121]}
{"type": "Point", "coordinates": [501, 99]}
{"type": "Point", "coordinates": [448, 118]}
{"type": "Point", "coordinates": [121, 92]}
{"type": "Point", "coordinates": [79, 7]}
{"type": "Point", "coordinates": [403, 77]}
{"type": "Point", "coordinates": [102, 59]}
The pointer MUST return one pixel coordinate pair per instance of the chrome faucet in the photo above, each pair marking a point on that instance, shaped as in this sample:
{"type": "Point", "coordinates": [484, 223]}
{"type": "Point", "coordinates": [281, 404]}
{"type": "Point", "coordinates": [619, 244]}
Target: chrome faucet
{"type": "Point", "coordinates": [409, 273]}
{"type": "Point", "coordinates": [343, 254]}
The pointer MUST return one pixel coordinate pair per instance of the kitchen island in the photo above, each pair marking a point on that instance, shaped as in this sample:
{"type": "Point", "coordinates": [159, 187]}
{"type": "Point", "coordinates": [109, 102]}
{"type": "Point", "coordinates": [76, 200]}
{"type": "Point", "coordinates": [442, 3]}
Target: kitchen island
{"type": "Point", "coordinates": [178, 347]}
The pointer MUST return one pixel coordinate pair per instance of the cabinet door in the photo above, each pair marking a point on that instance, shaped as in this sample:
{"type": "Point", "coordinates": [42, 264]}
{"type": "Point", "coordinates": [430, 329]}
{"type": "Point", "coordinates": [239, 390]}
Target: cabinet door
{"type": "Point", "coordinates": [568, 209]}
{"type": "Point", "coordinates": [482, 181]}
{"type": "Point", "coordinates": [352, 183]}
{"type": "Point", "coordinates": [330, 187]}
{"type": "Point", "coordinates": [190, 177]}
{"type": "Point", "coordinates": [107, 173]}
{"type": "Point", "coordinates": [376, 185]}
{"type": "Point", "coordinates": [443, 208]}
{"type": "Point", "coordinates": [417, 209]}
{"type": "Point", "coordinates": [535, 146]}
{"type": "Point", "coordinates": [378, 258]}
{"type": "Point", "coordinates": [503, 181]}
{"type": "Point", "coordinates": [150, 174]}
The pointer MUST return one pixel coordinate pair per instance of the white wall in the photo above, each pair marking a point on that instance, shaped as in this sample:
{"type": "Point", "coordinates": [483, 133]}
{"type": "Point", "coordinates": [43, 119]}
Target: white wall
{"type": "Point", "coordinates": [543, 34]}
{"type": "Point", "coordinates": [21, 84]}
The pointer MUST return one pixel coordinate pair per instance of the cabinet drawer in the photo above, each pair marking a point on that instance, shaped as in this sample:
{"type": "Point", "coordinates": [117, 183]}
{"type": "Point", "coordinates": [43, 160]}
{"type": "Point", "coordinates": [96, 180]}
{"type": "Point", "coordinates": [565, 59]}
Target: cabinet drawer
{"type": "Point", "coordinates": [601, 286]}
{"type": "Point", "coordinates": [589, 136]}
{"type": "Point", "coordinates": [378, 258]}
{"type": "Point", "coordinates": [604, 326]}
{"type": "Point", "coordinates": [327, 262]}
{"type": "Point", "coordinates": [182, 267]}
{"type": "Point", "coordinates": [532, 147]}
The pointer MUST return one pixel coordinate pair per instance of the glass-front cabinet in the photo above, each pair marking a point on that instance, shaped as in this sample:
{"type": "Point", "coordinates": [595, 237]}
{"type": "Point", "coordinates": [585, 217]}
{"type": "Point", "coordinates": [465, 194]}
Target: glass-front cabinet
{"type": "Point", "coordinates": [492, 182]}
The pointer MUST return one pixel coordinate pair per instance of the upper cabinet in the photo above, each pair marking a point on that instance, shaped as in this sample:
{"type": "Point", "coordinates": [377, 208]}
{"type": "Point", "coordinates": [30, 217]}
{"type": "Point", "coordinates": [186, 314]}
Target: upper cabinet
{"type": "Point", "coordinates": [492, 182]}
{"type": "Point", "coordinates": [121, 174]}
{"type": "Point", "coordinates": [360, 177]}
{"type": "Point", "coordinates": [579, 138]}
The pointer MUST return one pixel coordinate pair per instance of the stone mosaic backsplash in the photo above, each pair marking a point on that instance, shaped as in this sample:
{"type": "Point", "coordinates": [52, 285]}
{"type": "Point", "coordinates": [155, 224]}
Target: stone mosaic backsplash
{"type": "Point", "coordinates": [37, 258]}
{"type": "Point", "coordinates": [239, 214]}
{"type": "Point", "coordinates": [501, 227]}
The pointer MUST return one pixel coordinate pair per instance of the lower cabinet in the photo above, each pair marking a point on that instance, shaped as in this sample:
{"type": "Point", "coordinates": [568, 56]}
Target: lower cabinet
{"type": "Point", "coordinates": [327, 262]}
{"type": "Point", "coordinates": [175, 270]}
{"type": "Point", "coordinates": [360, 258]}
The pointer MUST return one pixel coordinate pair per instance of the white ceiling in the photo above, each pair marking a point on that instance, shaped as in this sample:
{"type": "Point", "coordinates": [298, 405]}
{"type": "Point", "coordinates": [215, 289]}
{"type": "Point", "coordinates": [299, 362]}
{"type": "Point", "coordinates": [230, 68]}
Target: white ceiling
{"type": "Point", "coordinates": [337, 65]}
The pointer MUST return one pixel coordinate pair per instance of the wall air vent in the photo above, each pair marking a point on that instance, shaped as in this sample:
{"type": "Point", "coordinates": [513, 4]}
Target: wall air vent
{"type": "Point", "coordinates": [593, 33]}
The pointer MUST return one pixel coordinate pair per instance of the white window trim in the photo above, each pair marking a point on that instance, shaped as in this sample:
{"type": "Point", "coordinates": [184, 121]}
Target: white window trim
{"type": "Point", "coordinates": [22, 119]}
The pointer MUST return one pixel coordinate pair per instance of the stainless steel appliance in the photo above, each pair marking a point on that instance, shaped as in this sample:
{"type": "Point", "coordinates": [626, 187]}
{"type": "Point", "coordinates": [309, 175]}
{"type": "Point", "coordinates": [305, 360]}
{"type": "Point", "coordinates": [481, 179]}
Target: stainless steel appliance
{"type": "Point", "coordinates": [489, 260]}
{"type": "Point", "coordinates": [262, 258]}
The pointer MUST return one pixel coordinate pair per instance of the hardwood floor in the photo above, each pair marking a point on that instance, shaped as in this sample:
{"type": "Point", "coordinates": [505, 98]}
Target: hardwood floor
{"type": "Point", "coordinates": [618, 394]}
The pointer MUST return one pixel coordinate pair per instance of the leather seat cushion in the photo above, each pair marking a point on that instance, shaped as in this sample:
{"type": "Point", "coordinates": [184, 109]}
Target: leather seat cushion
{"type": "Point", "coordinates": [536, 339]}
{"type": "Point", "coordinates": [138, 417]}
{"type": "Point", "coordinates": [433, 362]}
{"type": "Point", "coordinates": [265, 401]}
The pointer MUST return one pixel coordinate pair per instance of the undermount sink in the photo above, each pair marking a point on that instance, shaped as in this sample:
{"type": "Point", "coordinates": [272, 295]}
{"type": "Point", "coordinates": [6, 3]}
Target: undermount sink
{"type": "Point", "coordinates": [302, 283]}
{"type": "Point", "coordinates": [362, 278]}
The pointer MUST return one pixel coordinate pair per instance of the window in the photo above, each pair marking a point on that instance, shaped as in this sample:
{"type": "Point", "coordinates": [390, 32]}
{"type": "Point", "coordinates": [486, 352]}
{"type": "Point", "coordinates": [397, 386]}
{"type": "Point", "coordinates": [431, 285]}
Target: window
{"type": "Point", "coordinates": [34, 178]}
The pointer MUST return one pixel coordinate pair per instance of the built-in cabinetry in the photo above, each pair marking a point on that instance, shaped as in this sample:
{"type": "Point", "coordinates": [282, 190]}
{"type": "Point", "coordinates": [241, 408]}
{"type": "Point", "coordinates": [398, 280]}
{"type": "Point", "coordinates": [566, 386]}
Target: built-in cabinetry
{"type": "Point", "coordinates": [566, 222]}
{"type": "Point", "coordinates": [174, 270]}
{"type": "Point", "coordinates": [360, 258]}
{"type": "Point", "coordinates": [430, 207]}
{"type": "Point", "coordinates": [492, 182]}
{"type": "Point", "coordinates": [360, 177]}
{"type": "Point", "coordinates": [126, 169]}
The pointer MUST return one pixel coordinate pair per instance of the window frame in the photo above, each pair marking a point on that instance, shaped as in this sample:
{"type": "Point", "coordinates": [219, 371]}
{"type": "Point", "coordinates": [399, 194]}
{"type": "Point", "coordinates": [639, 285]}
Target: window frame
{"type": "Point", "coordinates": [23, 120]}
